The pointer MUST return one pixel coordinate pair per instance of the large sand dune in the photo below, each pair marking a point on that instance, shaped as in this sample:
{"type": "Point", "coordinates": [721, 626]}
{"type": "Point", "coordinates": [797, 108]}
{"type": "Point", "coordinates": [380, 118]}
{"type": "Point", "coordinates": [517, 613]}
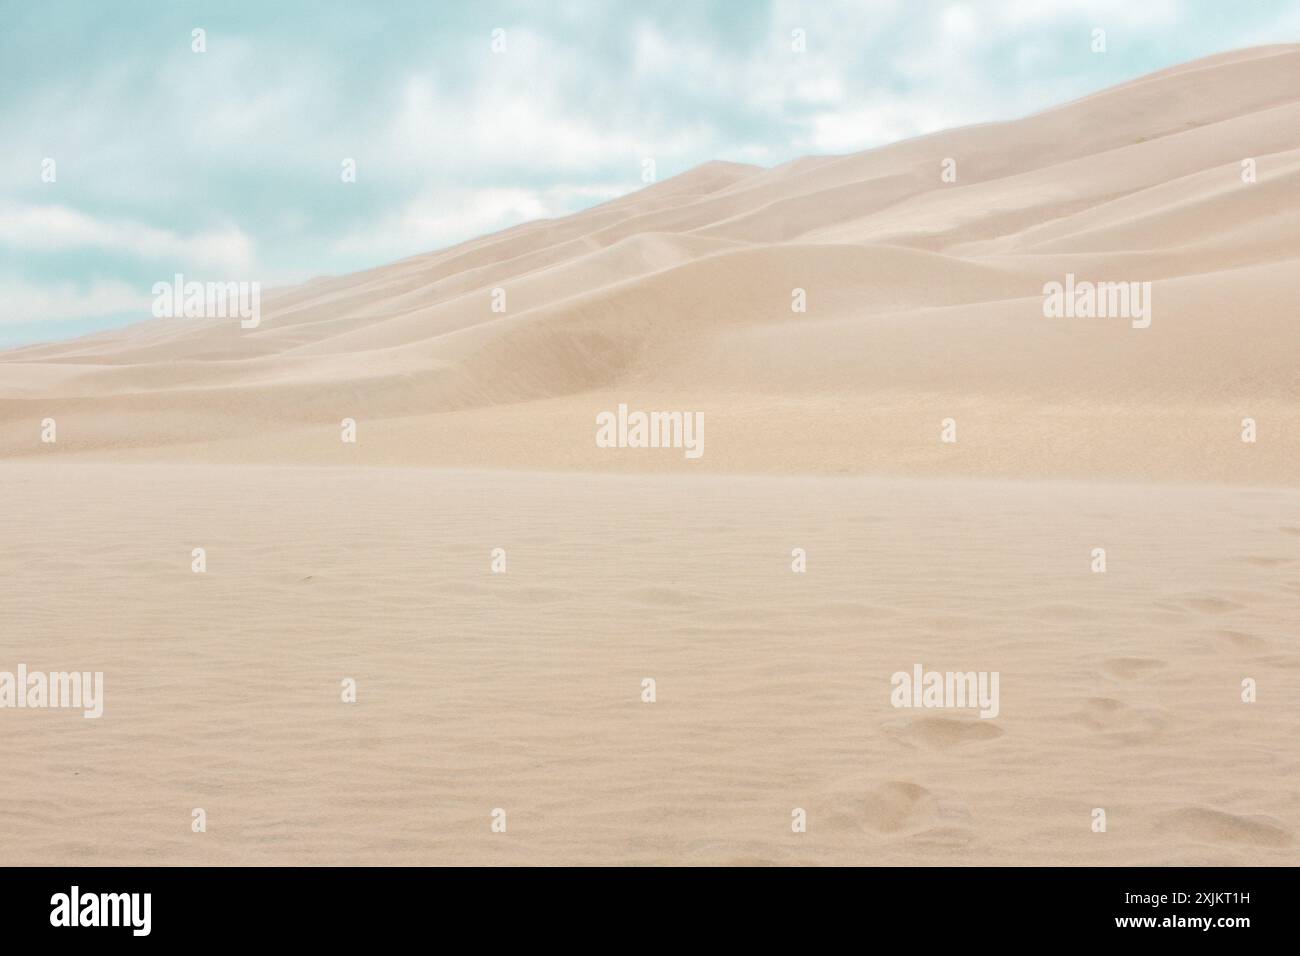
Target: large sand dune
{"type": "Point", "coordinates": [924, 301]}
{"type": "Point", "coordinates": [476, 430]}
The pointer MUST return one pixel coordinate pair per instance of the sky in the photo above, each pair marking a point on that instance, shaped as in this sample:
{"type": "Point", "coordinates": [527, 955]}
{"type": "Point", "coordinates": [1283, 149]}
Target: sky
{"type": "Point", "coordinates": [228, 164]}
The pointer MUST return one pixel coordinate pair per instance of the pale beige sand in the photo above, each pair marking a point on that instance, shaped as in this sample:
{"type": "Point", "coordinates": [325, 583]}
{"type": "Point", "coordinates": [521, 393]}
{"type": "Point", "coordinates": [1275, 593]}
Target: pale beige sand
{"type": "Point", "coordinates": [521, 690]}
{"type": "Point", "coordinates": [476, 430]}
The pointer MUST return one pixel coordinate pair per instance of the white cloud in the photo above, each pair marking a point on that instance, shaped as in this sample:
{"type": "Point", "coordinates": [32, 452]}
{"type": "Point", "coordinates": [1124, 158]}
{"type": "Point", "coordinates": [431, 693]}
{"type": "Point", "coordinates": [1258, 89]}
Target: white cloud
{"type": "Point", "coordinates": [30, 302]}
{"type": "Point", "coordinates": [1125, 14]}
{"type": "Point", "coordinates": [52, 228]}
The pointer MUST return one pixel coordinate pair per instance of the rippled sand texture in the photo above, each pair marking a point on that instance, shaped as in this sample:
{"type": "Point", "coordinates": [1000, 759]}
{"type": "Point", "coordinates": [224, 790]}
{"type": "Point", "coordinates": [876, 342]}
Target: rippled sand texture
{"type": "Point", "coordinates": [521, 690]}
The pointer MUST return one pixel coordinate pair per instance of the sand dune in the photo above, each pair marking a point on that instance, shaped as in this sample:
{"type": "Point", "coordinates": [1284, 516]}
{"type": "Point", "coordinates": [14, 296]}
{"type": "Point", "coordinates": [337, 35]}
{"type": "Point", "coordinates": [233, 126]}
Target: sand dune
{"type": "Point", "coordinates": [475, 430]}
{"type": "Point", "coordinates": [913, 285]}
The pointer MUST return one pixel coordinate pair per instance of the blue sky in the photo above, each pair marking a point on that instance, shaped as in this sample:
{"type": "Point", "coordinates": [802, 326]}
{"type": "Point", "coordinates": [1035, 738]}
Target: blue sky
{"type": "Point", "coordinates": [225, 165]}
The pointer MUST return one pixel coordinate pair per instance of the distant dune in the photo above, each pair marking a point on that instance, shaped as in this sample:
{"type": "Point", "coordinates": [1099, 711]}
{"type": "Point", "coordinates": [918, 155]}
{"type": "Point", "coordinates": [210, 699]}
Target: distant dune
{"type": "Point", "coordinates": [924, 302]}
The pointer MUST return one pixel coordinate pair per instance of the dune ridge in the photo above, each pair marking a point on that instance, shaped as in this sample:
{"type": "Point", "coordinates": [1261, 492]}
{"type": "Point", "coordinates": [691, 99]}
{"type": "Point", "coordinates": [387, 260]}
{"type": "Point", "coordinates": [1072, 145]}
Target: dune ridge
{"type": "Point", "coordinates": [923, 303]}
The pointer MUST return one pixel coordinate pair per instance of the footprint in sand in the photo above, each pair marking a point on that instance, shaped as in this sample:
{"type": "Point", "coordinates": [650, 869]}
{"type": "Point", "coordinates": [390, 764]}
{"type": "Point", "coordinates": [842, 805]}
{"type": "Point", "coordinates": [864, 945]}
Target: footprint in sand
{"type": "Point", "coordinates": [1247, 642]}
{"type": "Point", "coordinates": [945, 732]}
{"type": "Point", "coordinates": [898, 806]}
{"type": "Point", "coordinates": [1063, 612]}
{"type": "Point", "coordinates": [1111, 716]}
{"type": "Point", "coordinates": [894, 807]}
{"type": "Point", "coordinates": [1205, 825]}
{"type": "Point", "coordinates": [1212, 605]}
{"type": "Point", "coordinates": [1130, 668]}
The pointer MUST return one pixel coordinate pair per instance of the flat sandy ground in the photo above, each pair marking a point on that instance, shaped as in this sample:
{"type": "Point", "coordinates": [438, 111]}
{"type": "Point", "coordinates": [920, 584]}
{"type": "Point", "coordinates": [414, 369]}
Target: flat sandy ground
{"type": "Point", "coordinates": [521, 690]}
